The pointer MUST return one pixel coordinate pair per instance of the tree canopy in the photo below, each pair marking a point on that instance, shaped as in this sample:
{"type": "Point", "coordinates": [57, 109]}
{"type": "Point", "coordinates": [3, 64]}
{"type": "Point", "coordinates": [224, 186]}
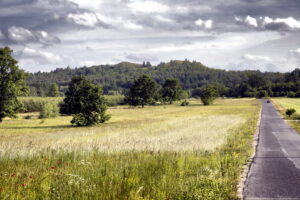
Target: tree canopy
{"type": "Point", "coordinates": [208, 95]}
{"type": "Point", "coordinates": [54, 90]}
{"type": "Point", "coordinates": [12, 84]}
{"type": "Point", "coordinates": [171, 90]}
{"type": "Point", "coordinates": [191, 75]}
{"type": "Point", "coordinates": [85, 102]}
{"type": "Point", "coordinates": [142, 92]}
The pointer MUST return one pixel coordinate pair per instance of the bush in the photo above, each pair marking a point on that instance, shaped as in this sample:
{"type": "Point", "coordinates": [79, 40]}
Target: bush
{"type": "Point", "coordinates": [290, 112]}
{"type": "Point", "coordinates": [27, 117]}
{"type": "Point", "coordinates": [49, 110]}
{"type": "Point", "coordinates": [115, 100]}
{"type": "Point", "coordinates": [185, 103]}
{"type": "Point", "coordinates": [291, 94]}
{"type": "Point", "coordinates": [208, 95]}
{"type": "Point", "coordinates": [35, 104]}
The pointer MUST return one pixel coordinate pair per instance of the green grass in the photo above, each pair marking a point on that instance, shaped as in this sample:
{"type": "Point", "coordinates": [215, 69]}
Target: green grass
{"type": "Point", "coordinates": [159, 152]}
{"type": "Point", "coordinates": [282, 104]}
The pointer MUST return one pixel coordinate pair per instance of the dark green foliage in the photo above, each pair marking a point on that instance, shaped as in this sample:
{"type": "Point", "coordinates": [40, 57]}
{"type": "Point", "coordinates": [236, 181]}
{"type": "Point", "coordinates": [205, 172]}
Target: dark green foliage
{"type": "Point", "coordinates": [289, 112]}
{"type": "Point", "coordinates": [54, 90]}
{"type": "Point", "coordinates": [142, 92]}
{"type": "Point", "coordinates": [191, 75]}
{"type": "Point", "coordinates": [291, 94]}
{"type": "Point", "coordinates": [85, 102]}
{"type": "Point", "coordinates": [185, 103]}
{"type": "Point", "coordinates": [208, 95]}
{"type": "Point", "coordinates": [12, 84]}
{"type": "Point", "coordinates": [49, 110]}
{"type": "Point", "coordinates": [262, 94]}
{"type": "Point", "coordinates": [171, 90]}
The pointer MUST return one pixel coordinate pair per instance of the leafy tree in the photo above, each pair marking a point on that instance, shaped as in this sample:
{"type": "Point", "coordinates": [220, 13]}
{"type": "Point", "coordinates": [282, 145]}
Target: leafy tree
{"type": "Point", "coordinates": [12, 84]}
{"type": "Point", "coordinates": [171, 90]}
{"type": "Point", "coordinates": [85, 102]}
{"type": "Point", "coordinates": [290, 112]}
{"type": "Point", "coordinates": [54, 90]}
{"type": "Point", "coordinates": [142, 92]}
{"type": "Point", "coordinates": [49, 110]}
{"type": "Point", "coordinates": [208, 95]}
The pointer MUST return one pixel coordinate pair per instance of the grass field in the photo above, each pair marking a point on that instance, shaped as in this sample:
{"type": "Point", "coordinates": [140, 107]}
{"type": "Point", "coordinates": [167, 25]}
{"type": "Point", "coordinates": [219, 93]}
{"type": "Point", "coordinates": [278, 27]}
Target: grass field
{"type": "Point", "coordinates": [159, 152]}
{"type": "Point", "coordinates": [285, 103]}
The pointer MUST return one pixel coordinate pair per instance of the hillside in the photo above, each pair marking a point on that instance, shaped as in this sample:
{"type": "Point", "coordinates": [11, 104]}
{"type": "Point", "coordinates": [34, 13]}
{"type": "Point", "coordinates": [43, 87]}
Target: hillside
{"type": "Point", "coordinates": [192, 75]}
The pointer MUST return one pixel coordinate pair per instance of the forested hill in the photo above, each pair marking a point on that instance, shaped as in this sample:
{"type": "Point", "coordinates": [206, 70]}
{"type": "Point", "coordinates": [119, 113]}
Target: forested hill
{"type": "Point", "coordinates": [192, 75]}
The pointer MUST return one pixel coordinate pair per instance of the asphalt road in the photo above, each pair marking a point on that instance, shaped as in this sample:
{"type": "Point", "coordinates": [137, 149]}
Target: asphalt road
{"type": "Point", "coordinates": [275, 172]}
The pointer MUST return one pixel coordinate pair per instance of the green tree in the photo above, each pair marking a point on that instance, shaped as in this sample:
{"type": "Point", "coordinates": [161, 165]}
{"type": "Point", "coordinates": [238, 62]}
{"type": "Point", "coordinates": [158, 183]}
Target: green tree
{"type": "Point", "coordinates": [54, 90]}
{"type": "Point", "coordinates": [49, 110]}
{"type": "Point", "coordinates": [142, 92]}
{"type": "Point", "coordinates": [208, 95]}
{"type": "Point", "coordinates": [12, 84]}
{"type": "Point", "coordinates": [85, 102]}
{"type": "Point", "coordinates": [171, 90]}
{"type": "Point", "coordinates": [290, 112]}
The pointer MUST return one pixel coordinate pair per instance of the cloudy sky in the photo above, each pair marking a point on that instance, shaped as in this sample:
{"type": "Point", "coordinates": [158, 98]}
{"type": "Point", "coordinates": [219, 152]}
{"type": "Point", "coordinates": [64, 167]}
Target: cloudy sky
{"type": "Point", "coordinates": [235, 34]}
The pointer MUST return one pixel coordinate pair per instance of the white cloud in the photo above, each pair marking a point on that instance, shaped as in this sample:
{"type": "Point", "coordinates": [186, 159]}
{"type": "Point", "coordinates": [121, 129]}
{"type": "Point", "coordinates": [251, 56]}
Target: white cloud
{"type": "Point", "coordinates": [22, 35]}
{"type": "Point", "coordinates": [205, 24]}
{"type": "Point", "coordinates": [268, 23]}
{"type": "Point", "coordinates": [251, 21]}
{"type": "Point", "coordinates": [290, 22]}
{"type": "Point", "coordinates": [164, 19]}
{"type": "Point", "coordinates": [295, 53]}
{"type": "Point", "coordinates": [147, 7]}
{"type": "Point", "coordinates": [19, 34]}
{"type": "Point", "coordinates": [84, 19]}
{"type": "Point", "coordinates": [132, 26]}
{"type": "Point", "coordinates": [250, 57]}
{"type": "Point", "coordinates": [42, 57]}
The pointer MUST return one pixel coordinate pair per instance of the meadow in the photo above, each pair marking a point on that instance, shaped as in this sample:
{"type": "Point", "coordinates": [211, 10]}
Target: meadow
{"type": "Point", "coordinates": [285, 103]}
{"type": "Point", "coordinates": [158, 152]}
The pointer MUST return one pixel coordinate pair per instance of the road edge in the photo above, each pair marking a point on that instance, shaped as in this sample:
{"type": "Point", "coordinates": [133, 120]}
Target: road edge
{"type": "Point", "coordinates": [247, 166]}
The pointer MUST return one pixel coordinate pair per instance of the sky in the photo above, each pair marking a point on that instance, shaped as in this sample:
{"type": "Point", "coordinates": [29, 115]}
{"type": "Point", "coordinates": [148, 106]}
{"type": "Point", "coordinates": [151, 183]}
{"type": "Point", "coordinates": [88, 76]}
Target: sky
{"type": "Point", "coordinates": [233, 35]}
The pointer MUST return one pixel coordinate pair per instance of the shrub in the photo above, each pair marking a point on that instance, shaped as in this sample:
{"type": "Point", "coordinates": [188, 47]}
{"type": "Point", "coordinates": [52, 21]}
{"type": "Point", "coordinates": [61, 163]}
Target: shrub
{"type": "Point", "coordinates": [27, 117]}
{"type": "Point", "coordinates": [290, 112]}
{"type": "Point", "coordinates": [115, 100]}
{"type": "Point", "coordinates": [49, 110]}
{"type": "Point", "coordinates": [291, 94]}
{"type": "Point", "coordinates": [208, 95]}
{"type": "Point", "coordinates": [35, 104]}
{"type": "Point", "coordinates": [185, 103]}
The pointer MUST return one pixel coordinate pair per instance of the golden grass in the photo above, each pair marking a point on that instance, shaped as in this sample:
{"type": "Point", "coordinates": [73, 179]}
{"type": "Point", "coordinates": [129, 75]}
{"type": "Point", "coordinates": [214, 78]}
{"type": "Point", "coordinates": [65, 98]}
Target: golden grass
{"type": "Point", "coordinates": [155, 128]}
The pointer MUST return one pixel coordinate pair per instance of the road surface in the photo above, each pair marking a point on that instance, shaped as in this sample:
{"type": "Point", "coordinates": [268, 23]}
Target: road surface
{"type": "Point", "coordinates": [275, 172]}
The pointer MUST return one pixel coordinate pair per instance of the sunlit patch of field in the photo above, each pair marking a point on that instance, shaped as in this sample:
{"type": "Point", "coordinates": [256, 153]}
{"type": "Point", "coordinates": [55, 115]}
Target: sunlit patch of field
{"type": "Point", "coordinates": [159, 152]}
{"type": "Point", "coordinates": [282, 104]}
{"type": "Point", "coordinates": [158, 128]}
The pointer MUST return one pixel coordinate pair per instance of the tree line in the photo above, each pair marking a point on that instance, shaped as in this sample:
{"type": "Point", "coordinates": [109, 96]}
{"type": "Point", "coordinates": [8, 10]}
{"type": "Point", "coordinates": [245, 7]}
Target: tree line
{"type": "Point", "coordinates": [193, 77]}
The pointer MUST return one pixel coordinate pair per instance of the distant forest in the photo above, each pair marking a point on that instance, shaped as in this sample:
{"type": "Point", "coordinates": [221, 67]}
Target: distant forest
{"type": "Point", "coordinates": [193, 76]}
